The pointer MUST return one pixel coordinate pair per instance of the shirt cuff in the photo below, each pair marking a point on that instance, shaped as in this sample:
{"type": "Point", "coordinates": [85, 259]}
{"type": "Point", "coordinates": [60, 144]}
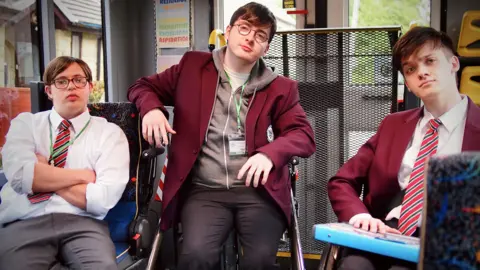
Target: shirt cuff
{"type": "Point", "coordinates": [357, 217]}
{"type": "Point", "coordinates": [27, 177]}
{"type": "Point", "coordinates": [94, 196]}
{"type": "Point", "coordinates": [395, 213]}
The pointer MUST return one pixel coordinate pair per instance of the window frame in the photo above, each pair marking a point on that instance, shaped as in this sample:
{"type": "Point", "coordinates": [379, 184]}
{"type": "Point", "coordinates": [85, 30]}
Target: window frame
{"type": "Point", "coordinates": [79, 35]}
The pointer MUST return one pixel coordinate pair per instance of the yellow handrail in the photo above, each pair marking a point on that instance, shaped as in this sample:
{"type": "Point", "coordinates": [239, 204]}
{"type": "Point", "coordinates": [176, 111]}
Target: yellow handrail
{"type": "Point", "coordinates": [217, 33]}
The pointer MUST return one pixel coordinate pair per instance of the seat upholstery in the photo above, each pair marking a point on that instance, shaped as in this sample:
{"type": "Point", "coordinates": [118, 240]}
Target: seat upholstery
{"type": "Point", "coordinates": [451, 225]}
{"type": "Point", "coordinates": [125, 115]}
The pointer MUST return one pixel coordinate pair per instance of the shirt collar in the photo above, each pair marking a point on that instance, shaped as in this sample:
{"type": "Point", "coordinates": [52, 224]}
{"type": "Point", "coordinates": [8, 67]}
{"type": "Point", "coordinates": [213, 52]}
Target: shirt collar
{"type": "Point", "coordinates": [77, 123]}
{"type": "Point", "coordinates": [451, 119]}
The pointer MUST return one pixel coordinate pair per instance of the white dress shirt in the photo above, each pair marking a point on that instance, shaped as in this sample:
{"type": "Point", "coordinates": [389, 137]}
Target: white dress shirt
{"type": "Point", "coordinates": [102, 147]}
{"type": "Point", "coordinates": [450, 140]}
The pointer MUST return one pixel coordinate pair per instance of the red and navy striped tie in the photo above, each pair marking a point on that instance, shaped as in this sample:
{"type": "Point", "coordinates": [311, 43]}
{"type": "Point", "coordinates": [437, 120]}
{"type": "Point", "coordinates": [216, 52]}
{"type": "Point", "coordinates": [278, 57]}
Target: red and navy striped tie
{"type": "Point", "coordinates": [413, 199]}
{"type": "Point", "coordinates": [63, 138]}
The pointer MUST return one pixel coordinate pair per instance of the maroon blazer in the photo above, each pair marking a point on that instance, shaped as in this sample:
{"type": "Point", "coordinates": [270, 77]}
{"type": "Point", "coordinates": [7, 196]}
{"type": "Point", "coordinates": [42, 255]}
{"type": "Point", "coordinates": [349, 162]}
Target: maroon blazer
{"type": "Point", "coordinates": [190, 88]}
{"type": "Point", "coordinates": [378, 161]}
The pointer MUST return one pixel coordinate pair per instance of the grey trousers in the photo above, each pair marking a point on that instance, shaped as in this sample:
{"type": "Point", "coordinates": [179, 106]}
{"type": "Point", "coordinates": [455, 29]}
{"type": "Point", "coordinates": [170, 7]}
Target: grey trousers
{"type": "Point", "coordinates": [209, 215]}
{"type": "Point", "coordinates": [57, 241]}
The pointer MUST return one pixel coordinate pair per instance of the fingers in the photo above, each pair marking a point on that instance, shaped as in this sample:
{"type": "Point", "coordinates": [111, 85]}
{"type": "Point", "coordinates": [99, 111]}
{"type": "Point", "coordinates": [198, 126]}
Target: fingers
{"type": "Point", "coordinates": [250, 175]}
{"type": "Point", "coordinates": [163, 130]}
{"type": "Point", "coordinates": [365, 225]}
{"type": "Point", "coordinates": [258, 170]}
{"type": "Point", "coordinates": [157, 134]}
{"type": "Point", "coordinates": [158, 139]}
{"type": "Point", "coordinates": [244, 168]}
{"type": "Point", "coordinates": [255, 172]}
{"type": "Point", "coordinates": [155, 128]}
{"type": "Point", "coordinates": [150, 134]}
{"type": "Point", "coordinates": [372, 224]}
{"type": "Point", "coordinates": [391, 230]}
{"type": "Point", "coordinates": [145, 130]}
{"type": "Point", "coordinates": [381, 227]}
{"type": "Point", "coordinates": [265, 176]}
{"type": "Point", "coordinates": [357, 223]}
{"type": "Point", "coordinates": [163, 133]}
{"type": "Point", "coordinates": [88, 176]}
{"type": "Point", "coordinates": [169, 128]}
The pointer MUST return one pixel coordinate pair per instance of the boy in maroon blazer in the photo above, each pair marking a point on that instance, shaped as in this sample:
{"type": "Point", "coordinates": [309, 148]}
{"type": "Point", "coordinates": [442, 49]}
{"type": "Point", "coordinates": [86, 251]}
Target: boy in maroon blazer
{"type": "Point", "coordinates": [236, 126]}
{"type": "Point", "coordinates": [390, 165]}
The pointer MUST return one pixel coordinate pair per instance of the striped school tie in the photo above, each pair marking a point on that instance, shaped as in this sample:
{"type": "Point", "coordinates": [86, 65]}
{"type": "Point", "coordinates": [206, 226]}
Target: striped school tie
{"type": "Point", "coordinates": [413, 199]}
{"type": "Point", "coordinates": [63, 138]}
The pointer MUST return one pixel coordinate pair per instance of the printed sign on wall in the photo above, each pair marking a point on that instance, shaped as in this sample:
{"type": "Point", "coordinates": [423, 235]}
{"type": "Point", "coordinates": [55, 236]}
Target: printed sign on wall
{"type": "Point", "coordinates": [173, 23]}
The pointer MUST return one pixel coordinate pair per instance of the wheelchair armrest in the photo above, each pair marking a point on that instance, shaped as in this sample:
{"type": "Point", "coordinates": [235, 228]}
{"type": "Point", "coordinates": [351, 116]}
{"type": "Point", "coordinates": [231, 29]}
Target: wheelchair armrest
{"type": "Point", "coordinates": [146, 181]}
{"type": "Point", "coordinates": [292, 168]}
{"type": "Point", "coordinates": [153, 152]}
{"type": "Point", "coordinates": [140, 228]}
{"type": "Point", "coordinates": [294, 161]}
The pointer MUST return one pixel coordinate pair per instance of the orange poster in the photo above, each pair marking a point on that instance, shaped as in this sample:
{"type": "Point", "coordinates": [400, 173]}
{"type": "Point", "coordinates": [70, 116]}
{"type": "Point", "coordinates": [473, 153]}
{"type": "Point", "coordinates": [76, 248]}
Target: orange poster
{"type": "Point", "coordinates": [13, 101]}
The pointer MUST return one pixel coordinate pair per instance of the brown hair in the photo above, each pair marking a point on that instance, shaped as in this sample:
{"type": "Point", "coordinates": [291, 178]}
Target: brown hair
{"type": "Point", "coordinates": [258, 15]}
{"type": "Point", "coordinates": [415, 39]}
{"type": "Point", "coordinates": [60, 64]}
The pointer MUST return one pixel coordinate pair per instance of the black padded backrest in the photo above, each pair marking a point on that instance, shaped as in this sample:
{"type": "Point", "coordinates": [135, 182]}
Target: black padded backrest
{"type": "Point", "coordinates": [125, 115]}
{"type": "Point", "coordinates": [451, 226]}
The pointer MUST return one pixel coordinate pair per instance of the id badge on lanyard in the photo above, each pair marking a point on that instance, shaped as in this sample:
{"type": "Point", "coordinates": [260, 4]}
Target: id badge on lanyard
{"type": "Point", "coordinates": [237, 144]}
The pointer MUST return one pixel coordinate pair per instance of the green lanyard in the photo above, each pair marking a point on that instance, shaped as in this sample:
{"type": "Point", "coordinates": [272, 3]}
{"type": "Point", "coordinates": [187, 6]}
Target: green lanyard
{"type": "Point", "coordinates": [238, 104]}
{"type": "Point", "coordinates": [54, 155]}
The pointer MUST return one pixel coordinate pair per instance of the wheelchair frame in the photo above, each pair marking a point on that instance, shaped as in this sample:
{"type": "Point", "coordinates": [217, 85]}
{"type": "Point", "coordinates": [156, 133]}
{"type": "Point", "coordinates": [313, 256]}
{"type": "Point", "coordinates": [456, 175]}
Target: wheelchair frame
{"type": "Point", "coordinates": [293, 230]}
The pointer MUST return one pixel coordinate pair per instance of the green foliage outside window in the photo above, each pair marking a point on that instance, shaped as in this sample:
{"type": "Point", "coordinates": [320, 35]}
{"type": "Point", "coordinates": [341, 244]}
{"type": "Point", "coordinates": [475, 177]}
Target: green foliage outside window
{"type": "Point", "coordinates": [98, 92]}
{"type": "Point", "coordinates": [381, 13]}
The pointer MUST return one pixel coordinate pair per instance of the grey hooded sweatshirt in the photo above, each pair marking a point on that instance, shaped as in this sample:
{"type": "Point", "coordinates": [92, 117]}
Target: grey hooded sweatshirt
{"type": "Point", "coordinates": [214, 167]}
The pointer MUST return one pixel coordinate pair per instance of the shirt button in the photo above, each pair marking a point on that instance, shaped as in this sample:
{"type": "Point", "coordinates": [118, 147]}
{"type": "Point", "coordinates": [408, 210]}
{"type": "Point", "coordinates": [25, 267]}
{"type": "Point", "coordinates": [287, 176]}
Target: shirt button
{"type": "Point", "coordinates": [194, 152]}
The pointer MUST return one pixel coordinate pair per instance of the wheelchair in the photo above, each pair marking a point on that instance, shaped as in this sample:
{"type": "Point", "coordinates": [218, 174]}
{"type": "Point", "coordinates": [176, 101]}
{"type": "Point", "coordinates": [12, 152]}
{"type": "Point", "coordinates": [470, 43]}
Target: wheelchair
{"type": "Point", "coordinates": [131, 221]}
{"type": "Point", "coordinates": [230, 257]}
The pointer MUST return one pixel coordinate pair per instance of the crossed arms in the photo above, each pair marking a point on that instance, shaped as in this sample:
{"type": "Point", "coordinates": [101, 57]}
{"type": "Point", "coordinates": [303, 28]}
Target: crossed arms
{"type": "Point", "coordinates": [95, 191]}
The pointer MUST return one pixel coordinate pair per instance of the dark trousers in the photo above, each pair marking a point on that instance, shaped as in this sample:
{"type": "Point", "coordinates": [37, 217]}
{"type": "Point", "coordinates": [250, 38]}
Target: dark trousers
{"type": "Point", "coordinates": [353, 259]}
{"type": "Point", "coordinates": [57, 241]}
{"type": "Point", "coordinates": [208, 216]}
{"type": "Point", "coordinates": [360, 260]}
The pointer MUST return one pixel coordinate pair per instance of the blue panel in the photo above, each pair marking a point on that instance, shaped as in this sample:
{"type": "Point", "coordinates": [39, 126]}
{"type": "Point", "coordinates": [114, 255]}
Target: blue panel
{"type": "Point", "coordinates": [119, 249]}
{"type": "Point", "coordinates": [119, 218]}
{"type": "Point", "coordinates": [392, 245]}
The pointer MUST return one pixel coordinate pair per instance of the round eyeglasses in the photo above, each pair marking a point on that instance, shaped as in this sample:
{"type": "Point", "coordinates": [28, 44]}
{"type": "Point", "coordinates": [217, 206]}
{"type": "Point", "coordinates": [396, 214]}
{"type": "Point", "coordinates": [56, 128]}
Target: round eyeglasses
{"type": "Point", "coordinates": [63, 83]}
{"type": "Point", "coordinates": [259, 36]}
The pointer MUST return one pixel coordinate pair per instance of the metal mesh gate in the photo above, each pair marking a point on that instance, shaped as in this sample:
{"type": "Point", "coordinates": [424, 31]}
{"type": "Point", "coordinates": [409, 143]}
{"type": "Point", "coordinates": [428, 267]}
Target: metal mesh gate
{"type": "Point", "coordinates": [347, 86]}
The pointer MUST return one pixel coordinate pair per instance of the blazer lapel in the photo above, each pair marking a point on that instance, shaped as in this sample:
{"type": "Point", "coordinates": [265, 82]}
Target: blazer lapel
{"type": "Point", "coordinates": [471, 141]}
{"type": "Point", "coordinates": [252, 117]}
{"type": "Point", "coordinates": [208, 91]}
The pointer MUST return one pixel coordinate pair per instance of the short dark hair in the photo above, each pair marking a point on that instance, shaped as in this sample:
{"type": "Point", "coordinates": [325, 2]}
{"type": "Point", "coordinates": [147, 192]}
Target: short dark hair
{"type": "Point", "coordinates": [258, 15]}
{"type": "Point", "coordinates": [415, 39]}
{"type": "Point", "coordinates": [60, 64]}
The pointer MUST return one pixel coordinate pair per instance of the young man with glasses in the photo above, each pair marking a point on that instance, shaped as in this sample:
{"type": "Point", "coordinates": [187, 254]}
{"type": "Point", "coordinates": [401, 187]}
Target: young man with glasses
{"type": "Point", "coordinates": [236, 126]}
{"type": "Point", "coordinates": [65, 171]}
